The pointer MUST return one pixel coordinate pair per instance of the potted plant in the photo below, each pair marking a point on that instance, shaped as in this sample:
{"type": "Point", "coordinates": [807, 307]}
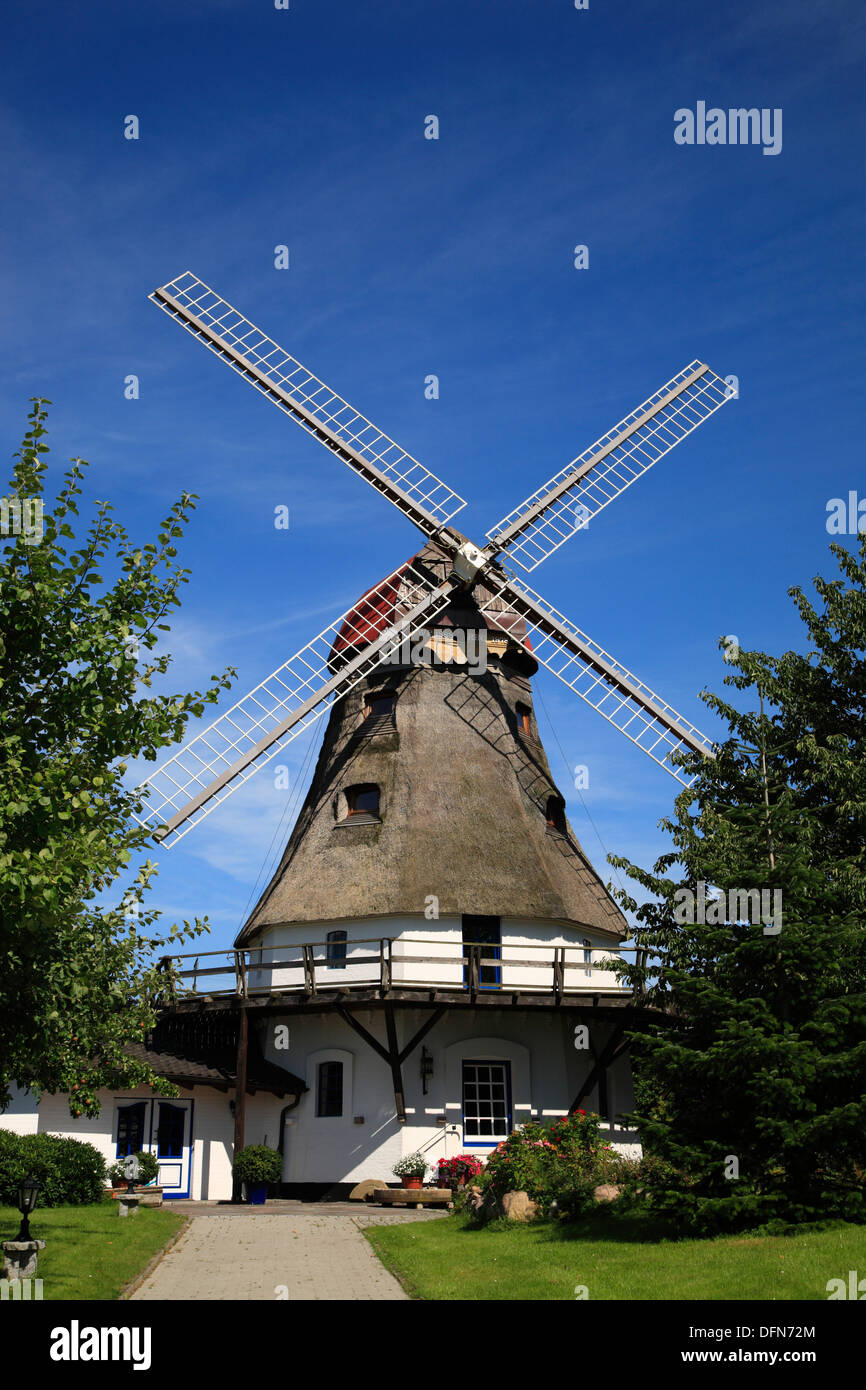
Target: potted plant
{"type": "Point", "coordinates": [411, 1169]}
{"type": "Point", "coordinates": [257, 1166]}
{"type": "Point", "coordinates": [148, 1171]}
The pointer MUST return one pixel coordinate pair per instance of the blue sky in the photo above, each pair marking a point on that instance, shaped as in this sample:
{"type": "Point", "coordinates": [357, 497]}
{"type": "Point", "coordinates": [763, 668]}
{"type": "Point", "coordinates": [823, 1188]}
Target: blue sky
{"type": "Point", "coordinates": [305, 127]}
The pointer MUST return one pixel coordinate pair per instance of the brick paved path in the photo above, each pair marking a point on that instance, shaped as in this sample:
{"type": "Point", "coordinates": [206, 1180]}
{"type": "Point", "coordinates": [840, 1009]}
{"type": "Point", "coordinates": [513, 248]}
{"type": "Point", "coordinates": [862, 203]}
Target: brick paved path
{"type": "Point", "coordinates": [296, 1256]}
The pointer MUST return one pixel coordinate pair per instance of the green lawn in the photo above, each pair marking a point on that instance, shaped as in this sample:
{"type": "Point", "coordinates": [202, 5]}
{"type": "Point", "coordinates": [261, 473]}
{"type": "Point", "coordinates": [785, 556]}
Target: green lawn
{"type": "Point", "coordinates": [91, 1252]}
{"type": "Point", "coordinates": [449, 1260]}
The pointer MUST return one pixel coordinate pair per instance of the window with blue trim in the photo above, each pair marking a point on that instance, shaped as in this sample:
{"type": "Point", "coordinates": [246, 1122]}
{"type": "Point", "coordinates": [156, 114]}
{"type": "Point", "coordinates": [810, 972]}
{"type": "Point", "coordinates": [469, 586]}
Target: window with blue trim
{"type": "Point", "coordinates": [169, 1135]}
{"type": "Point", "coordinates": [336, 950]}
{"type": "Point", "coordinates": [486, 1102]}
{"type": "Point", "coordinates": [482, 937]}
{"type": "Point", "coordinates": [130, 1128]}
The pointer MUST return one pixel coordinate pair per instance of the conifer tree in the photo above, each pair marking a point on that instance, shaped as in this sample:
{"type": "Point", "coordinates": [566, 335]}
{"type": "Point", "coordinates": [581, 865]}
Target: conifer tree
{"type": "Point", "coordinates": [752, 1087]}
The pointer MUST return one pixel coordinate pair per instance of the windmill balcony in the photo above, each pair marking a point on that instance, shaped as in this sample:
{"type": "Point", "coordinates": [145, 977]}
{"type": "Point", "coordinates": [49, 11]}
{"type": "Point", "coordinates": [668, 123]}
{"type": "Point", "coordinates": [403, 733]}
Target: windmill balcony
{"type": "Point", "coordinates": [389, 965]}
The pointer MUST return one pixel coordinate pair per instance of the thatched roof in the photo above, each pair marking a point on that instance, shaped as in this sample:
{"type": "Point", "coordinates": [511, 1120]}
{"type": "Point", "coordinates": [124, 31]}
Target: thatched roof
{"type": "Point", "coordinates": [463, 800]}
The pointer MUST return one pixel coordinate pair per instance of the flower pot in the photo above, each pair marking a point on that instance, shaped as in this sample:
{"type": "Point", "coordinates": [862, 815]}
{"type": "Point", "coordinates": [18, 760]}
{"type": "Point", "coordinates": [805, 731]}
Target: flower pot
{"type": "Point", "coordinates": [411, 1182]}
{"type": "Point", "coordinates": [257, 1194]}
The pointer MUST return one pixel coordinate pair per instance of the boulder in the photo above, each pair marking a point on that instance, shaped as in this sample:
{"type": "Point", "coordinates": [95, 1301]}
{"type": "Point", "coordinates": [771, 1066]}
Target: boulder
{"type": "Point", "coordinates": [519, 1206]}
{"type": "Point", "coordinates": [606, 1192]}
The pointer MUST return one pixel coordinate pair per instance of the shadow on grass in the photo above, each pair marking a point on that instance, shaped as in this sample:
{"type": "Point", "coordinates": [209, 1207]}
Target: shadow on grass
{"type": "Point", "coordinates": [609, 1226]}
{"type": "Point", "coordinates": [603, 1225]}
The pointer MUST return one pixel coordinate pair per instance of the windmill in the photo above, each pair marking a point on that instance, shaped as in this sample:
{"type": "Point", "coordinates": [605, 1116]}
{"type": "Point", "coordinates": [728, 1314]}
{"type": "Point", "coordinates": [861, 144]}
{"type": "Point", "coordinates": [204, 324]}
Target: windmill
{"type": "Point", "coordinates": [201, 775]}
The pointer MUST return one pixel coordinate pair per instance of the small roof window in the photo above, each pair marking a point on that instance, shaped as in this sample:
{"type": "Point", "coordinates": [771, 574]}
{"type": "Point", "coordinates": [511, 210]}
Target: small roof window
{"type": "Point", "coordinates": [556, 814]}
{"type": "Point", "coordinates": [380, 703]}
{"type": "Point", "coordinates": [362, 800]}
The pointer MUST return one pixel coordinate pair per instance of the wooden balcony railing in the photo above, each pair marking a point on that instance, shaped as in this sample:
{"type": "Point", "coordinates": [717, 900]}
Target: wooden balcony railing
{"type": "Point", "coordinates": [387, 964]}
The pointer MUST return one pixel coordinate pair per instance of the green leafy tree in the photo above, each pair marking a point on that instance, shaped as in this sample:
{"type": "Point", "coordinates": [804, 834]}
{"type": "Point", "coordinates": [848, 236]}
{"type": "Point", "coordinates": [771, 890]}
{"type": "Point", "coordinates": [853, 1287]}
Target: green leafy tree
{"type": "Point", "coordinates": [752, 1086]}
{"type": "Point", "coordinates": [78, 627]}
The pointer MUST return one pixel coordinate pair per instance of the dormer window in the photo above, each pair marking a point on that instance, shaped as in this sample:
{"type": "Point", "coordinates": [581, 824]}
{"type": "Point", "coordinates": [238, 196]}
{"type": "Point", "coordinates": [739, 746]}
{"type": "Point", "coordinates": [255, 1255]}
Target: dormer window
{"type": "Point", "coordinates": [556, 814]}
{"type": "Point", "coordinates": [524, 719]}
{"type": "Point", "coordinates": [363, 799]}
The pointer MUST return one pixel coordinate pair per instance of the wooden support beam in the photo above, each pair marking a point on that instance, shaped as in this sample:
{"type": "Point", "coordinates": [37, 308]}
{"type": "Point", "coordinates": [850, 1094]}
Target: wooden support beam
{"type": "Point", "coordinates": [558, 972]}
{"type": "Point", "coordinates": [396, 1073]}
{"type": "Point", "coordinates": [241, 973]}
{"type": "Point", "coordinates": [609, 1051]}
{"type": "Point", "coordinates": [309, 971]}
{"type": "Point", "coordinates": [422, 1033]}
{"type": "Point", "coordinates": [362, 1033]}
{"type": "Point", "coordinates": [473, 953]}
{"type": "Point", "coordinates": [385, 966]}
{"type": "Point", "coordinates": [240, 1090]}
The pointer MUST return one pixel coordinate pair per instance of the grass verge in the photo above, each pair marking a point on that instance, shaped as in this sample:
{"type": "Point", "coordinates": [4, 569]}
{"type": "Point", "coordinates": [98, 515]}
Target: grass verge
{"type": "Point", "coordinates": [448, 1259]}
{"type": "Point", "coordinates": [91, 1252]}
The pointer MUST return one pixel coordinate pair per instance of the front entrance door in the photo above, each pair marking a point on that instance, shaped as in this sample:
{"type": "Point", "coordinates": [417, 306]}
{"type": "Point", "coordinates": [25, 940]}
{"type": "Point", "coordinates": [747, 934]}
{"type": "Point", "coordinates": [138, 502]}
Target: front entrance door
{"type": "Point", "coordinates": [172, 1144]}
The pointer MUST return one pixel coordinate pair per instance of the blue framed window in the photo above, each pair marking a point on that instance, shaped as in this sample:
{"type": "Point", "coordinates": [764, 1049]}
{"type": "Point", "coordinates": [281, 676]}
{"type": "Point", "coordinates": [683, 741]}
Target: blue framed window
{"type": "Point", "coordinates": [169, 1133]}
{"type": "Point", "coordinates": [336, 957]}
{"type": "Point", "coordinates": [587, 956]}
{"type": "Point", "coordinates": [130, 1128]}
{"type": "Point", "coordinates": [486, 1103]}
{"type": "Point", "coordinates": [484, 933]}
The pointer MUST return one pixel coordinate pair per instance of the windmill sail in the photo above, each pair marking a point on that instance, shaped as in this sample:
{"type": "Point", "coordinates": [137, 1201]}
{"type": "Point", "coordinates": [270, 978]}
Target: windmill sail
{"type": "Point", "coordinates": [200, 776]}
{"type": "Point", "coordinates": [411, 487]}
{"type": "Point", "coordinates": [609, 687]}
{"type": "Point", "coordinates": [565, 504]}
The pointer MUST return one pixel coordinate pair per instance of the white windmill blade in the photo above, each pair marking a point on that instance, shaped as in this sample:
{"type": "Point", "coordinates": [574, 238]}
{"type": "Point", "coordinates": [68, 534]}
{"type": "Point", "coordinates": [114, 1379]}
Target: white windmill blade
{"type": "Point", "coordinates": [411, 487]}
{"type": "Point", "coordinates": [189, 785]}
{"type": "Point", "coordinates": [591, 672]}
{"type": "Point", "coordinates": [565, 504]}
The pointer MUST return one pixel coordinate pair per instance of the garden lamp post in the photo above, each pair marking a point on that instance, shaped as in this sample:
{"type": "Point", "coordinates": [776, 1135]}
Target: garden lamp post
{"type": "Point", "coordinates": [28, 1191]}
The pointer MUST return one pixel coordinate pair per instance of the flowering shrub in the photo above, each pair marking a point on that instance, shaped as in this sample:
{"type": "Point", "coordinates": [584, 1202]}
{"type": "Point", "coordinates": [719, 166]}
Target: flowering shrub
{"type": "Point", "coordinates": [558, 1166]}
{"type": "Point", "coordinates": [465, 1166]}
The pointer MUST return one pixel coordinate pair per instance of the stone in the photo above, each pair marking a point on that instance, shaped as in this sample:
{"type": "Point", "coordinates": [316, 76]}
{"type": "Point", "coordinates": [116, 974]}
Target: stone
{"type": "Point", "coordinates": [519, 1206]}
{"type": "Point", "coordinates": [21, 1257]}
{"type": "Point", "coordinates": [606, 1192]}
{"type": "Point", "coordinates": [362, 1190]}
{"type": "Point", "coordinates": [127, 1204]}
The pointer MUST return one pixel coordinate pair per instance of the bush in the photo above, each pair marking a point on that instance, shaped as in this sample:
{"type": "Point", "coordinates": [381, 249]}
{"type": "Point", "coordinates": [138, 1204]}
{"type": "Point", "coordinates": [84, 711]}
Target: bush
{"type": "Point", "coordinates": [148, 1169]}
{"type": "Point", "coordinates": [69, 1172]}
{"type": "Point", "coordinates": [257, 1164]}
{"type": "Point", "coordinates": [558, 1166]}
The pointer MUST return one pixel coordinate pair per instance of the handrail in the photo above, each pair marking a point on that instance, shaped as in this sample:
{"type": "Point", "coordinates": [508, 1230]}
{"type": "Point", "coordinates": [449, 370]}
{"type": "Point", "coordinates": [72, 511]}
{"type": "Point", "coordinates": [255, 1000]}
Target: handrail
{"type": "Point", "coordinates": [466, 960]}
